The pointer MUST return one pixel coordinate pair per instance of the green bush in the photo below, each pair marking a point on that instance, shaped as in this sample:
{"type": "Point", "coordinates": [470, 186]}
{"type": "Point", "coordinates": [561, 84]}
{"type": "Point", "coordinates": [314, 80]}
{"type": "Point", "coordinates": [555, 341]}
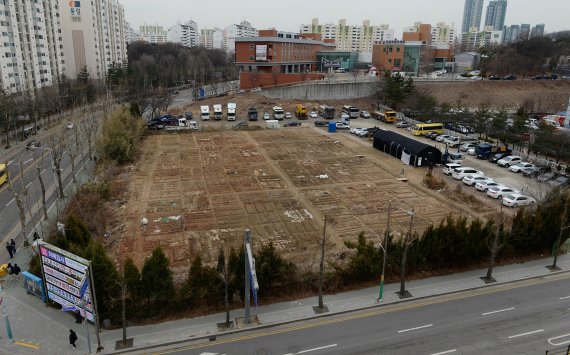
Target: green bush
{"type": "Point", "coordinates": [122, 134]}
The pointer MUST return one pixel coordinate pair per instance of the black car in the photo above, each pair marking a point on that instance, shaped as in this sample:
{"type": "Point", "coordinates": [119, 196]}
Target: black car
{"type": "Point", "coordinates": [495, 77]}
{"type": "Point", "coordinates": [32, 144]}
{"type": "Point", "coordinates": [510, 77]}
{"type": "Point", "coordinates": [496, 157]}
{"type": "Point", "coordinates": [321, 123]}
{"type": "Point", "coordinates": [292, 124]}
{"type": "Point", "coordinates": [432, 135]}
{"type": "Point", "coordinates": [539, 77]}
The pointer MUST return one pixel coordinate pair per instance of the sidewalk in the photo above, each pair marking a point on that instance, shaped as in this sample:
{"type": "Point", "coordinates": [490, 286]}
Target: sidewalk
{"type": "Point", "coordinates": [38, 329]}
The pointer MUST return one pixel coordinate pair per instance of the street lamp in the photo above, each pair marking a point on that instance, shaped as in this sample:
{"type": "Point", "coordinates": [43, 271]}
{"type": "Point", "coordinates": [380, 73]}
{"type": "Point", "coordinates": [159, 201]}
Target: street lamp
{"type": "Point", "coordinates": [385, 250]}
{"type": "Point", "coordinates": [407, 242]}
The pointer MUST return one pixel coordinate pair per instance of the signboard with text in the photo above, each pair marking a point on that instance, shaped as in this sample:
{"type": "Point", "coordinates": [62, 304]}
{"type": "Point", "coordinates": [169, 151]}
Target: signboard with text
{"type": "Point", "coordinates": [75, 10]}
{"type": "Point", "coordinates": [261, 53]}
{"type": "Point", "coordinates": [65, 275]}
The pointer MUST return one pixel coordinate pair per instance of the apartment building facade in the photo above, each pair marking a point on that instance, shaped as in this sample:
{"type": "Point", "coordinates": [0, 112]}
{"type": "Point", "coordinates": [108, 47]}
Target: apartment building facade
{"type": "Point", "coordinates": [443, 33]}
{"type": "Point", "coordinates": [130, 34]}
{"type": "Point", "coordinates": [153, 34]}
{"type": "Point", "coordinates": [186, 34]}
{"type": "Point", "coordinates": [232, 32]}
{"type": "Point", "coordinates": [93, 35]}
{"type": "Point", "coordinates": [212, 38]}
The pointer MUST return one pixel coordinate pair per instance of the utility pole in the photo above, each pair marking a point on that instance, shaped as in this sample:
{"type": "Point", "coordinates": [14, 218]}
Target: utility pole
{"type": "Point", "coordinates": [322, 308]}
{"type": "Point", "coordinates": [494, 249]}
{"type": "Point", "coordinates": [407, 242]}
{"type": "Point", "coordinates": [563, 226]}
{"type": "Point", "coordinates": [385, 249]}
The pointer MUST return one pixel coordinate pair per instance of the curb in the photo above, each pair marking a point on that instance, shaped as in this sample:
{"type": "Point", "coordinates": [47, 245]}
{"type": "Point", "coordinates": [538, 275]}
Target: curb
{"type": "Point", "coordinates": [329, 314]}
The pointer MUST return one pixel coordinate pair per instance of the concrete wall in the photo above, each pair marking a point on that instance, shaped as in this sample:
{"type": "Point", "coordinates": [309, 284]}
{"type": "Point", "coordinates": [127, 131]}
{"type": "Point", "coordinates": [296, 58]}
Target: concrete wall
{"type": "Point", "coordinates": [320, 90]}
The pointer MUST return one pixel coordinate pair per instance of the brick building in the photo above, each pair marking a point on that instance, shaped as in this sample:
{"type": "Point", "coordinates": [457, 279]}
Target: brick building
{"type": "Point", "coordinates": [276, 58]}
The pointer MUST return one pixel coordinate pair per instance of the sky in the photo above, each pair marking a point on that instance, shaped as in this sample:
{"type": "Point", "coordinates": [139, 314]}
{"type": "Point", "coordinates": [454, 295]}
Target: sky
{"type": "Point", "coordinates": [290, 14]}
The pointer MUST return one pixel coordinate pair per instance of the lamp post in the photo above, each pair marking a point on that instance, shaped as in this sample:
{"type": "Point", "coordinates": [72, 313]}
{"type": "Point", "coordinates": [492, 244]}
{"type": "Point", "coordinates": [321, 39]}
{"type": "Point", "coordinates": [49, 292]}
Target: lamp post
{"type": "Point", "coordinates": [563, 227]}
{"type": "Point", "coordinates": [407, 241]}
{"type": "Point", "coordinates": [385, 250]}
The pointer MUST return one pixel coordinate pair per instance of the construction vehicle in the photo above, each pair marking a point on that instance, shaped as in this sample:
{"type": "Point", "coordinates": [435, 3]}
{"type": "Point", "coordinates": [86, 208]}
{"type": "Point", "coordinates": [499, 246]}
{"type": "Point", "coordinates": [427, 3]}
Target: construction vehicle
{"type": "Point", "coordinates": [301, 111]}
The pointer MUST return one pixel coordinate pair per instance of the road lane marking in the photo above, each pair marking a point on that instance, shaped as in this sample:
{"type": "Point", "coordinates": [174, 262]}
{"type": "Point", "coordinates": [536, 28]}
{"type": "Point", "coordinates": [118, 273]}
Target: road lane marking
{"type": "Point", "coordinates": [12, 200]}
{"type": "Point", "coordinates": [29, 160]}
{"type": "Point", "coordinates": [314, 349]}
{"type": "Point", "coordinates": [527, 333]}
{"type": "Point", "coordinates": [416, 328]}
{"type": "Point", "coordinates": [445, 352]}
{"type": "Point", "coordinates": [563, 298]}
{"type": "Point", "coordinates": [43, 171]}
{"type": "Point", "coordinates": [498, 311]}
{"type": "Point", "coordinates": [29, 345]}
{"type": "Point", "coordinates": [9, 163]}
{"type": "Point", "coordinates": [558, 337]}
{"type": "Point", "coordinates": [28, 185]}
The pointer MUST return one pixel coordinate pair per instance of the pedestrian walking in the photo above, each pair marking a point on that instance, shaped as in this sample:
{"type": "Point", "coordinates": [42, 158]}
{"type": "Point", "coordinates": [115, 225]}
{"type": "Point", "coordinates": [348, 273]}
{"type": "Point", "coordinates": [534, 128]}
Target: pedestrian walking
{"type": "Point", "coordinates": [13, 244]}
{"type": "Point", "coordinates": [78, 317]}
{"type": "Point", "coordinates": [16, 269]}
{"type": "Point", "coordinates": [10, 250]}
{"type": "Point", "coordinates": [72, 338]}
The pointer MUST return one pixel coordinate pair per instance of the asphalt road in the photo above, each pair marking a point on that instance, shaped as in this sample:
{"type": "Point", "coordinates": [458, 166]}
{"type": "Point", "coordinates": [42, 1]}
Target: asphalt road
{"type": "Point", "coordinates": [527, 317]}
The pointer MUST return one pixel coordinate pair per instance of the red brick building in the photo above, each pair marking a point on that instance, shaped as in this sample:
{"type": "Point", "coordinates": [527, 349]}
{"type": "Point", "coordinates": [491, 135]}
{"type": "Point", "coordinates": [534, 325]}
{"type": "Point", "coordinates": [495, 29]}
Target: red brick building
{"type": "Point", "coordinates": [276, 58]}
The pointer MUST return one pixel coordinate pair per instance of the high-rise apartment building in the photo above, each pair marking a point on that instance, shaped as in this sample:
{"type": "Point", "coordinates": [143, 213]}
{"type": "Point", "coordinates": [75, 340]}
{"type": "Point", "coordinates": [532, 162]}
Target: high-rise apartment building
{"type": "Point", "coordinates": [537, 31]}
{"type": "Point", "coordinates": [472, 16]}
{"type": "Point", "coordinates": [32, 56]}
{"type": "Point", "coordinates": [185, 34]}
{"type": "Point", "coordinates": [130, 34]}
{"type": "Point", "coordinates": [524, 33]}
{"type": "Point", "coordinates": [351, 38]}
{"type": "Point", "coordinates": [153, 34]}
{"type": "Point", "coordinates": [443, 34]}
{"type": "Point", "coordinates": [244, 29]}
{"type": "Point", "coordinates": [496, 12]}
{"type": "Point", "coordinates": [93, 35]}
{"type": "Point", "coordinates": [211, 38]}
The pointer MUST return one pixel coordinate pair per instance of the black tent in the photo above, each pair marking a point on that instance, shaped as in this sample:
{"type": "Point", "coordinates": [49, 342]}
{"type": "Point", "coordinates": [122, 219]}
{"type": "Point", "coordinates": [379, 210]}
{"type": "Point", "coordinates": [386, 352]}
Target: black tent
{"type": "Point", "coordinates": [417, 153]}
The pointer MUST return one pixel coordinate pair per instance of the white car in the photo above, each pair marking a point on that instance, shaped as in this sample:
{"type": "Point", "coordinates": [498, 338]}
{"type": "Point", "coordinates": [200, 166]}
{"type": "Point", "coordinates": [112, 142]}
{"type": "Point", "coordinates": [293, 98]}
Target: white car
{"type": "Point", "coordinates": [500, 191]}
{"type": "Point", "coordinates": [461, 77]}
{"type": "Point", "coordinates": [355, 130]}
{"type": "Point", "coordinates": [452, 141]}
{"type": "Point", "coordinates": [344, 116]}
{"type": "Point", "coordinates": [288, 115]}
{"type": "Point", "coordinates": [313, 114]}
{"type": "Point", "coordinates": [520, 167]}
{"type": "Point", "coordinates": [466, 146]}
{"type": "Point", "coordinates": [516, 200]}
{"type": "Point", "coordinates": [442, 137]}
{"type": "Point", "coordinates": [70, 126]}
{"type": "Point", "coordinates": [449, 167]}
{"type": "Point", "coordinates": [483, 186]}
{"type": "Point", "coordinates": [510, 160]}
{"type": "Point", "coordinates": [403, 124]}
{"type": "Point", "coordinates": [471, 151]}
{"type": "Point", "coordinates": [471, 180]}
{"type": "Point", "coordinates": [476, 78]}
{"type": "Point", "coordinates": [364, 114]}
{"type": "Point", "coordinates": [461, 172]}
{"type": "Point", "coordinates": [342, 125]}
{"type": "Point", "coordinates": [266, 116]}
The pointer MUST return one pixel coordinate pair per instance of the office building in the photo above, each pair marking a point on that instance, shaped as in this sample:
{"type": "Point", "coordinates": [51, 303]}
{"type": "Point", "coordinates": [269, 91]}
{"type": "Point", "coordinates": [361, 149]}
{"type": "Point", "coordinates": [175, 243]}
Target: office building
{"type": "Point", "coordinates": [153, 34]}
{"type": "Point", "coordinates": [232, 32]}
{"type": "Point", "coordinates": [496, 12]}
{"type": "Point", "coordinates": [185, 34]}
{"type": "Point", "coordinates": [93, 34]}
{"type": "Point", "coordinates": [350, 38]}
{"type": "Point", "coordinates": [537, 31]}
{"type": "Point", "coordinates": [472, 16]}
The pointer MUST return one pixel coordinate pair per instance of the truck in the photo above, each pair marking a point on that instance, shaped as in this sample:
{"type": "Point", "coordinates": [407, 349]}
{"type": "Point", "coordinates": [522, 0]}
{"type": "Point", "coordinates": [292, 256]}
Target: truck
{"type": "Point", "coordinates": [272, 124]}
{"type": "Point", "coordinates": [350, 110]}
{"type": "Point", "coordinates": [205, 110]}
{"type": "Point", "coordinates": [179, 123]}
{"type": "Point", "coordinates": [326, 111]}
{"type": "Point", "coordinates": [252, 114]}
{"type": "Point", "coordinates": [300, 111]}
{"type": "Point", "coordinates": [278, 113]}
{"type": "Point", "coordinates": [231, 111]}
{"type": "Point", "coordinates": [485, 150]}
{"type": "Point", "coordinates": [217, 112]}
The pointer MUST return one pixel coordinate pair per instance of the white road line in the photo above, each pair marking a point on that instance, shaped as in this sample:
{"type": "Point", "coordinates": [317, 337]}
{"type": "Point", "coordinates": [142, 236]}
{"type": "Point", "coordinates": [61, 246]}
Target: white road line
{"type": "Point", "coordinates": [29, 160]}
{"type": "Point", "coordinates": [445, 352]}
{"type": "Point", "coordinates": [8, 204]}
{"type": "Point", "coordinates": [527, 333]}
{"type": "Point", "coordinates": [28, 185]}
{"type": "Point", "coordinates": [563, 298]}
{"type": "Point", "coordinates": [43, 171]}
{"type": "Point", "coordinates": [500, 310]}
{"type": "Point", "coordinates": [314, 349]}
{"type": "Point", "coordinates": [558, 337]}
{"type": "Point", "coordinates": [416, 328]}
{"type": "Point", "coordinates": [9, 163]}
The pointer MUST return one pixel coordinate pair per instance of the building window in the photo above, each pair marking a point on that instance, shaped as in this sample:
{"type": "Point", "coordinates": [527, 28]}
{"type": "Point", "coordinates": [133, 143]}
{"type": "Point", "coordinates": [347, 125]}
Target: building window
{"type": "Point", "coordinates": [398, 49]}
{"type": "Point", "coordinates": [251, 47]}
{"type": "Point", "coordinates": [391, 49]}
{"type": "Point", "coordinates": [390, 61]}
{"type": "Point", "coordinates": [250, 57]}
{"type": "Point", "coordinates": [397, 62]}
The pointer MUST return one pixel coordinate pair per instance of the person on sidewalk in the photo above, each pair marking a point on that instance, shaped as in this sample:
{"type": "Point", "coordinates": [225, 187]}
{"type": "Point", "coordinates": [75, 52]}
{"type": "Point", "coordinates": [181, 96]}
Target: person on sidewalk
{"type": "Point", "coordinates": [72, 338]}
{"type": "Point", "coordinates": [10, 269]}
{"type": "Point", "coordinates": [10, 250]}
{"type": "Point", "coordinates": [16, 269]}
{"type": "Point", "coordinates": [78, 317]}
{"type": "Point", "coordinates": [13, 244]}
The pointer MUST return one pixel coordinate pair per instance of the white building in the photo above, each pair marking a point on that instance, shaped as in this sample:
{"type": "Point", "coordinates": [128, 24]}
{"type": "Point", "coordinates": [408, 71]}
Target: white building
{"type": "Point", "coordinates": [212, 38]}
{"type": "Point", "coordinates": [351, 38]}
{"type": "Point", "coordinates": [443, 34]}
{"type": "Point", "coordinates": [244, 29]}
{"type": "Point", "coordinates": [130, 34]}
{"type": "Point", "coordinates": [93, 35]}
{"type": "Point", "coordinates": [153, 34]}
{"type": "Point", "coordinates": [186, 34]}
{"type": "Point", "coordinates": [32, 55]}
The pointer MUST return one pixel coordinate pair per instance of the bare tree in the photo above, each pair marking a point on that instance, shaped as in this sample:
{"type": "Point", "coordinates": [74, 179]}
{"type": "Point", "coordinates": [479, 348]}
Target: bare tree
{"type": "Point", "coordinates": [563, 227]}
{"type": "Point", "coordinates": [226, 275]}
{"type": "Point", "coordinates": [56, 147]}
{"type": "Point", "coordinates": [494, 247]}
{"type": "Point", "coordinates": [42, 186]}
{"type": "Point", "coordinates": [71, 150]}
{"type": "Point", "coordinates": [321, 308]}
{"type": "Point", "coordinates": [19, 192]}
{"type": "Point", "coordinates": [123, 294]}
{"type": "Point", "coordinates": [7, 115]}
{"type": "Point", "coordinates": [89, 127]}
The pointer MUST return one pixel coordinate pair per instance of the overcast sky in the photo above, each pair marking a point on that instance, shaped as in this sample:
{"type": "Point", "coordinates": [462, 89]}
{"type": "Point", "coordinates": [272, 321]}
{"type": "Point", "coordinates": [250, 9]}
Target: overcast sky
{"type": "Point", "coordinates": [290, 14]}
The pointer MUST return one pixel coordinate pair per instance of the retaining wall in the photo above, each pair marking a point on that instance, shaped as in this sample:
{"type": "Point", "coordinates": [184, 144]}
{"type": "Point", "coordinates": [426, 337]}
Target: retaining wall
{"type": "Point", "coordinates": [319, 90]}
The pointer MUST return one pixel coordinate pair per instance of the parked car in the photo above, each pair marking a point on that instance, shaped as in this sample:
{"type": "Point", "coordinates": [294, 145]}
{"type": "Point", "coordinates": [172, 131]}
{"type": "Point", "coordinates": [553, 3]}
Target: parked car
{"type": "Point", "coordinates": [32, 144]}
{"type": "Point", "coordinates": [292, 124]}
{"type": "Point", "coordinates": [344, 116]}
{"type": "Point", "coordinates": [321, 123]}
{"type": "Point", "coordinates": [539, 77]}
{"type": "Point", "coordinates": [441, 137]}
{"type": "Point", "coordinates": [546, 177]}
{"type": "Point", "coordinates": [495, 77]}
{"type": "Point", "coordinates": [266, 116]}
{"type": "Point", "coordinates": [471, 180]}
{"type": "Point", "coordinates": [535, 171]}
{"type": "Point", "coordinates": [403, 124]}
{"type": "Point", "coordinates": [500, 191]}
{"type": "Point", "coordinates": [495, 158]}
{"type": "Point", "coordinates": [70, 125]}
{"type": "Point", "coordinates": [313, 114]}
{"type": "Point", "coordinates": [509, 161]}
{"type": "Point", "coordinates": [364, 114]}
{"type": "Point", "coordinates": [466, 146]}
{"type": "Point", "coordinates": [517, 200]}
{"type": "Point", "coordinates": [476, 78]}
{"type": "Point", "coordinates": [483, 186]}
{"type": "Point", "coordinates": [518, 168]}
{"type": "Point", "coordinates": [431, 135]}
{"type": "Point", "coordinates": [472, 151]}
{"type": "Point", "coordinates": [353, 130]}
{"type": "Point", "coordinates": [452, 141]}
{"type": "Point", "coordinates": [559, 181]}
{"type": "Point", "coordinates": [366, 132]}
{"type": "Point", "coordinates": [461, 172]}
{"type": "Point", "coordinates": [288, 115]}
{"type": "Point", "coordinates": [342, 125]}
{"type": "Point", "coordinates": [510, 77]}
{"type": "Point", "coordinates": [449, 167]}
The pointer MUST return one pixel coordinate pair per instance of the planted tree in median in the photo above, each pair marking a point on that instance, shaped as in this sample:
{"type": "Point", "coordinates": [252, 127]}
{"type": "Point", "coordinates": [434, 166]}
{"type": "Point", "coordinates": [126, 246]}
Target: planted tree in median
{"type": "Point", "coordinates": [156, 280]}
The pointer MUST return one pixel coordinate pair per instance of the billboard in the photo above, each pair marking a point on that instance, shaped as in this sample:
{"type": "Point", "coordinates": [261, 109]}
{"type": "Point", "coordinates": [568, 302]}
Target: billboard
{"type": "Point", "coordinates": [261, 53]}
{"type": "Point", "coordinates": [75, 10]}
{"type": "Point", "coordinates": [66, 276]}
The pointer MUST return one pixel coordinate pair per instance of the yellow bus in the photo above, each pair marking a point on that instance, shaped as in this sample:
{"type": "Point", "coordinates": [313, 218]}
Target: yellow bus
{"type": "Point", "coordinates": [421, 129]}
{"type": "Point", "coordinates": [3, 174]}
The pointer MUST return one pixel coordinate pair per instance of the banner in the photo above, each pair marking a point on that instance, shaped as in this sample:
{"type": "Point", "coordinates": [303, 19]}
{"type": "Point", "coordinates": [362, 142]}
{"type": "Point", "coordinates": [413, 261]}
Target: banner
{"type": "Point", "coordinates": [405, 158]}
{"type": "Point", "coordinates": [261, 53]}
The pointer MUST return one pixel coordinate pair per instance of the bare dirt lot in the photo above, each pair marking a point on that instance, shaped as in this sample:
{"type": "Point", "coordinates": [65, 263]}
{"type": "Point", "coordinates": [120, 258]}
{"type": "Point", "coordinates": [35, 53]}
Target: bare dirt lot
{"type": "Point", "coordinates": [200, 190]}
